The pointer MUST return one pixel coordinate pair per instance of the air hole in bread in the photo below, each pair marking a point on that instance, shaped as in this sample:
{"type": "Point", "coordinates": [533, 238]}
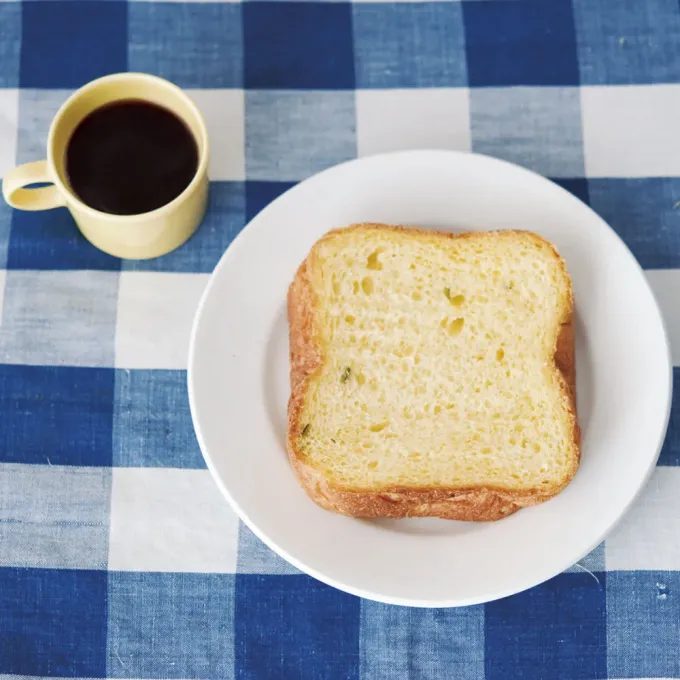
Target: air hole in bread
{"type": "Point", "coordinates": [373, 262]}
{"type": "Point", "coordinates": [456, 326]}
{"type": "Point", "coordinates": [367, 285]}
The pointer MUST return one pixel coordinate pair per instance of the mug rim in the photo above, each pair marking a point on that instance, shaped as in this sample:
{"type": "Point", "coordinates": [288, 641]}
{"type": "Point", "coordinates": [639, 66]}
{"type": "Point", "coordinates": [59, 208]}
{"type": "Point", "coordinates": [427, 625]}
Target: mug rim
{"type": "Point", "coordinates": [201, 169]}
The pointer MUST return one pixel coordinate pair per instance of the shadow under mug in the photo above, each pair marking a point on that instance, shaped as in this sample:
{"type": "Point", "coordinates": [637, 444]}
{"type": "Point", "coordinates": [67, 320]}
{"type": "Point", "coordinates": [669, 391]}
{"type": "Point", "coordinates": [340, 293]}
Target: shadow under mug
{"type": "Point", "coordinates": [142, 236]}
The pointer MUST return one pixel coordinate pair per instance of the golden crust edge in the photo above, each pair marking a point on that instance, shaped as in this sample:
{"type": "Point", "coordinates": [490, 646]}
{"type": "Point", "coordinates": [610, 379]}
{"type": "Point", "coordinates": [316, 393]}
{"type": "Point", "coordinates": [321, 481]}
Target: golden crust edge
{"type": "Point", "coordinates": [481, 503]}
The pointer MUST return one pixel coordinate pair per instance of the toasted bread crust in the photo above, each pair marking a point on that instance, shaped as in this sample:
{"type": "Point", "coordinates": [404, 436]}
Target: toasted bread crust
{"type": "Point", "coordinates": [471, 503]}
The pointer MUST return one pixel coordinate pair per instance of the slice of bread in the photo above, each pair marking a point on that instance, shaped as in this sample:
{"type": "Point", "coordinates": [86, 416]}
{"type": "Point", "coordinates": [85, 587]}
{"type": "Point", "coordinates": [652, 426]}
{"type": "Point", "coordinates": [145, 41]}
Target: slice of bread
{"type": "Point", "coordinates": [432, 374]}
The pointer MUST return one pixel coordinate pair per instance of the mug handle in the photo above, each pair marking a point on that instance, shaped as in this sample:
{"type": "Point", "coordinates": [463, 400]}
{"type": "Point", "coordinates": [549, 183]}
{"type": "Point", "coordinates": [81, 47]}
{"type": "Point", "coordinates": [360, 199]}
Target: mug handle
{"type": "Point", "coordinates": [42, 198]}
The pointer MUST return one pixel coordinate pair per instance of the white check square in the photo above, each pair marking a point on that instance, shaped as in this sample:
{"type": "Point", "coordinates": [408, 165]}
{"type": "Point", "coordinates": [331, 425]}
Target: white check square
{"type": "Point", "coordinates": [631, 131]}
{"type": "Point", "coordinates": [223, 111]}
{"type": "Point", "coordinates": [9, 126]}
{"type": "Point", "coordinates": [155, 313]}
{"type": "Point", "coordinates": [666, 286]}
{"type": "Point", "coordinates": [165, 519]}
{"type": "Point", "coordinates": [393, 120]}
{"type": "Point", "coordinates": [647, 537]}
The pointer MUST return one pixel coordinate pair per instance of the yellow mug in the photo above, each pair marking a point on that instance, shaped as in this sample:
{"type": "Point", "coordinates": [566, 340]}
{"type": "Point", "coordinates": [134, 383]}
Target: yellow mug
{"type": "Point", "coordinates": [141, 236]}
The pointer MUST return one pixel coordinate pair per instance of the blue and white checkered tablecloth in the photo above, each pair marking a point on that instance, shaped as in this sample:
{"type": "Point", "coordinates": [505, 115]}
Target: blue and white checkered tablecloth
{"type": "Point", "coordinates": [118, 556]}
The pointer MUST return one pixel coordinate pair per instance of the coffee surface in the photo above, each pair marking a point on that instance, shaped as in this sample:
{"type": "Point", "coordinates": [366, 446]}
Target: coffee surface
{"type": "Point", "coordinates": [130, 157]}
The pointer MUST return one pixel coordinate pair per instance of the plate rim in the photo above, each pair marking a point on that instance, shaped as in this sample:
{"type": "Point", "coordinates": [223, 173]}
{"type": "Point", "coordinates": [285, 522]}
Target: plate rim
{"type": "Point", "coordinates": [347, 587]}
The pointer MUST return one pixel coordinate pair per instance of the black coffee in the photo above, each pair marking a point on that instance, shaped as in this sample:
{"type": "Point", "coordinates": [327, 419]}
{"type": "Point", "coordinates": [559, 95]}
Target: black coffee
{"type": "Point", "coordinates": [130, 157]}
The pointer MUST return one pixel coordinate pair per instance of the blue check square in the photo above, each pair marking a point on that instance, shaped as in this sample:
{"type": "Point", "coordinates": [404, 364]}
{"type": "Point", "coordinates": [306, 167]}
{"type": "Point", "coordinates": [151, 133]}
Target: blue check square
{"type": "Point", "coordinates": [151, 422]}
{"type": "Point", "coordinates": [645, 213]}
{"type": "Point", "coordinates": [295, 627]}
{"type": "Point", "coordinates": [5, 225]}
{"type": "Point", "coordinates": [254, 557]}
{"type": "Point", "coordinates": [531, 42]}
{"type": "Point", "coordinates": [54, 516]}
{"type": "Point", "coordinates": [192, 44]}
{"type": "Point", "coordinates": [37, 108]}
{"type": "Point", "coordinates": [293, 134]}
{"type": "Point", "coordinates": [537, 127]}
{"type": "Point", "coordinates": [298, 45]}
{"type": "Point", "coordinates": [53, 241]}
{"type": "Point", "coordinates": [643, 624]}
{"type": "Point", "coordinates": [409, 45]}
{"type": "Point", "coordinates": [224, 219]}
{"type": "Point", "coordinates": [55, 318]}
{"type": "Point", "coordinates": [555, 630]}
{"type": "Point", "coordinates": [10, 43]}
{"type": "Point", "coordinates": [578, 186]}
{"type": "Point", "coordinates": [621, 43]}
{"type": "Point", "coordinates": [593, 561]}
{"type": "Point", "coordinates": [56, 415]}
{"type": "Point", "coordinates": [66, 43]}
{"type": "Point", "coordinates": [400, 642]}
{"type": "Point", "coordinates": [53, 622]}
{"type": "Point", "coordinates": [260, 194]}
{"type": "Point", "coordinates": [170, 625]}
{"type": "Point", "coordinates": [670, 453]}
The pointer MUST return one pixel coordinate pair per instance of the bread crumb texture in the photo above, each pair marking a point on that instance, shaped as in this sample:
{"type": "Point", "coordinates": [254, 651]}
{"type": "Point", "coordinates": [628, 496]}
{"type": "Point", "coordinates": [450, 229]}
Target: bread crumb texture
{"type": "Point", "coordinates": [436, 362]}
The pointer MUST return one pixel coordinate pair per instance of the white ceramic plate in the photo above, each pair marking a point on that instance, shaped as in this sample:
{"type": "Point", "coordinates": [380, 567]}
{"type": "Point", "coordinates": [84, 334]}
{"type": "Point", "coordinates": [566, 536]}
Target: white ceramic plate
{"type": "Point", "coordinates": [238, 382]}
